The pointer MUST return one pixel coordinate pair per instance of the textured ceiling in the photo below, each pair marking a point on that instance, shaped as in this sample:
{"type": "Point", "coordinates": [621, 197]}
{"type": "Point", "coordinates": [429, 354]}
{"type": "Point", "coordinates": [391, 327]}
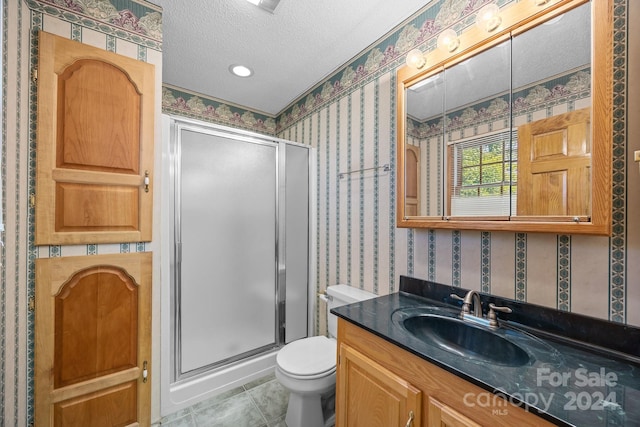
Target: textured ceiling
{"type": "Point", "coordinates": [290, 51]}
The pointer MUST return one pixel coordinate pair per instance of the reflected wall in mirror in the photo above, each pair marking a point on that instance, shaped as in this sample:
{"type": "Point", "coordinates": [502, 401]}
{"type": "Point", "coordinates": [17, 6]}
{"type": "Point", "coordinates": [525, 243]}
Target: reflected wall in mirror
{"type": "Point", "coordinates": [514, 133]}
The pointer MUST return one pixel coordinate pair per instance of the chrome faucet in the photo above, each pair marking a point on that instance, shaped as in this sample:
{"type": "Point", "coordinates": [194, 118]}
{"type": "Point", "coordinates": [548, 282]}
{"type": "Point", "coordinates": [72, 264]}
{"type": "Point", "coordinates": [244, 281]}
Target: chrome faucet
{"type": "Point", "coordinates": [471, 298]}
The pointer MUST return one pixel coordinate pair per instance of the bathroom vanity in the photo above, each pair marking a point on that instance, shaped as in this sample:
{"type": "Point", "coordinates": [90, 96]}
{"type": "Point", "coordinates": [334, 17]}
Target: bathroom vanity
{"type": "Point", "coordinates": [535, 369]}
{"type": "Point", "coordinates": [410, 388]}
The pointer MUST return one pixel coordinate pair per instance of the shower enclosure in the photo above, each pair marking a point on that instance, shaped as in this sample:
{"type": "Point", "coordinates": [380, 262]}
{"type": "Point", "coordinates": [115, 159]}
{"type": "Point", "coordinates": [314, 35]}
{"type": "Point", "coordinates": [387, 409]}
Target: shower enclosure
{"type": "Point", "coordinates": [240, 261]}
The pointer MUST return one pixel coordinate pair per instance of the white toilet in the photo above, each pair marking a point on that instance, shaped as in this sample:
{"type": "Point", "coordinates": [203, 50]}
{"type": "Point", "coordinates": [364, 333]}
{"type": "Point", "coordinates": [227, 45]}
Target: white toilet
{"type": "Point", "coordinates": [307, 367]}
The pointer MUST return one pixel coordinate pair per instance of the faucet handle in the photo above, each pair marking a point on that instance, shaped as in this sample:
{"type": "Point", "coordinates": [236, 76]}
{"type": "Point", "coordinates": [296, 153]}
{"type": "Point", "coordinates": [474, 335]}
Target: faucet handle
{"type": "Point", "coordinates": [457, 297]}
{"type": "Point", "coordinates": [493, 319]}
{"type": "Point", "coordinates": [465, 305]}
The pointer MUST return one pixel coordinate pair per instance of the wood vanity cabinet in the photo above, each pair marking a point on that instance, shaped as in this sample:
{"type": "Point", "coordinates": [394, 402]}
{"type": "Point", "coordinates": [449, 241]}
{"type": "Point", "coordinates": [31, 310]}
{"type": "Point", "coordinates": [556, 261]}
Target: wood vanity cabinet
{"type": "Point", "coordinates": [382, 385]}
{"type": "Point", "coordinates": [372, 395]}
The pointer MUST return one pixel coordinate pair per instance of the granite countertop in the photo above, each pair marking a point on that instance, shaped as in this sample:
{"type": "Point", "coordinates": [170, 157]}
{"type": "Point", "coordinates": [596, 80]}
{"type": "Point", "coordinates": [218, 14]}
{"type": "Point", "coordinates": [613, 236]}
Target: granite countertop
{"type": "Point", "coordinates": [567, 381]}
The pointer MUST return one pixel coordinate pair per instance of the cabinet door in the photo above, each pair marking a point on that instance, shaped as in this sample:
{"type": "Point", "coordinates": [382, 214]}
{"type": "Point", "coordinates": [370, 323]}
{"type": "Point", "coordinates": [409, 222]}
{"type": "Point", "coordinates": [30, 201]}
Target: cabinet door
{"type": "Point", "coordinates": [369, 395]}
{"type": "Point", "coordinates": [441, 415]}
{"type": "Point", "coordinates": [93, 341]}
{"type": "Point", "coordinates": [94, 145]}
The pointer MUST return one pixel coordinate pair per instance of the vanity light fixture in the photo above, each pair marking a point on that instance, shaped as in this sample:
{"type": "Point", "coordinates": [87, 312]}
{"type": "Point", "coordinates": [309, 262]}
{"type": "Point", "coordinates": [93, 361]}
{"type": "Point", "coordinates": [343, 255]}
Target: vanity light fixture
{"type": "Point", "coordinates": [448, 40]}
{"type": "Point", "coordinates": [240, 70]}
{"type": "Point", "coordinates": [415, 58]}
{"type": "Point", "coordinates": [488, 18]}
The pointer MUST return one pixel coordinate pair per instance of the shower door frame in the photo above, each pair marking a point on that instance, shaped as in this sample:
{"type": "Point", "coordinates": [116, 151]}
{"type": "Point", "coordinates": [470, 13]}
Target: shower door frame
{"type": "Point", "coordinates": [176, 127]}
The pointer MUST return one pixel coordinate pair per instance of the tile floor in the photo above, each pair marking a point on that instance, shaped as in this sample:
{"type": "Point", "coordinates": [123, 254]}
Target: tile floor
{"type": "Point", "coordinates": [261, 403]}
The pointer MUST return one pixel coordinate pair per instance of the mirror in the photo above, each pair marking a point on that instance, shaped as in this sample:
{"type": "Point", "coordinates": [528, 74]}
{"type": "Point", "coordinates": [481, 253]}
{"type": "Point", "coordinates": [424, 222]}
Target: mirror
{"type": "Point", "coordinates": [477, 137]}
{"type": "Point", "coordinates": [504, 136]}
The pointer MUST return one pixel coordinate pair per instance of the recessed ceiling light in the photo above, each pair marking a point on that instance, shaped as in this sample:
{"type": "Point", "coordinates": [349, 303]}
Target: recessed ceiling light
{"type": "Point", "coordinates": [240, 70]}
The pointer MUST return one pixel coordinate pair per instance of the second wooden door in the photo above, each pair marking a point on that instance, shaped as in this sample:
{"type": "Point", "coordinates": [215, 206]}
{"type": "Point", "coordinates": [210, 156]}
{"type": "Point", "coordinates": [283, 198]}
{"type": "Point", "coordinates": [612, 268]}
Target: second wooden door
{"type": "Point", "coordinates": [93, 341]}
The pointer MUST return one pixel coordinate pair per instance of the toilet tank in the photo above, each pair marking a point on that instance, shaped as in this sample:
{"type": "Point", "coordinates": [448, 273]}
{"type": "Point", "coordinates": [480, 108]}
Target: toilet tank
{"type": "Point", "coordinates": [338, 295]}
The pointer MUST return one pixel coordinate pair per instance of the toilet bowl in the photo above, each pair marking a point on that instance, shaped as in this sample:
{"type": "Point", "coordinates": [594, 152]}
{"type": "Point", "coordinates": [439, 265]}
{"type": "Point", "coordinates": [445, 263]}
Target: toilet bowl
{"type": "Point", "coordinates": [307, 367]}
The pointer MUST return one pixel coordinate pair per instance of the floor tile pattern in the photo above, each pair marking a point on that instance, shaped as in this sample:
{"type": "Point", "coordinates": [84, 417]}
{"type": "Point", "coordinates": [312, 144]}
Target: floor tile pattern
{"type": "Point", "coordinates": [261, 403]}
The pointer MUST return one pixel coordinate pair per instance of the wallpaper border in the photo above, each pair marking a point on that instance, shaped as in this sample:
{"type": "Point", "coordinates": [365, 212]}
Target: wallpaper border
{"type": "Point", "coordinates": [617, 243]}
{"type": "Point", "coordinates": [139, 23]}
{"type": "Point", "coordinates": [185, 103]}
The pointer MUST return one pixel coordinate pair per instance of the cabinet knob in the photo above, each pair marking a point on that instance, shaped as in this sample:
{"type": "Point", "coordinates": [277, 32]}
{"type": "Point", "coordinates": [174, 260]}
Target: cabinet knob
{"type": "Point", "coordinates": [410, 420]}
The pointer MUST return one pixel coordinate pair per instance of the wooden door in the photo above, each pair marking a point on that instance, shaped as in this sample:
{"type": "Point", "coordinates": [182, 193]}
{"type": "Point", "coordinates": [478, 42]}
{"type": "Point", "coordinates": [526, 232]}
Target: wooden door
{"type": "Point", "coordinates": [368, 395]}
{"type": "Point", "coordinates": [554, 166]}
{"type": "Point", "coordinates": [93, 341]}
{"type": "Point", "coordinates": [94, 145]}
{"type": "Point", "coordinates": [412, 184]}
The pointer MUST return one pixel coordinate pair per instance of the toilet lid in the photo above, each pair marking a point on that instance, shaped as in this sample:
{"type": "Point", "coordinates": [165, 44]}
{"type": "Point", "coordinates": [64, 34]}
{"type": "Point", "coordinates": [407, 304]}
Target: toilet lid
{"type": "Point", "coordinates": [308, 356]}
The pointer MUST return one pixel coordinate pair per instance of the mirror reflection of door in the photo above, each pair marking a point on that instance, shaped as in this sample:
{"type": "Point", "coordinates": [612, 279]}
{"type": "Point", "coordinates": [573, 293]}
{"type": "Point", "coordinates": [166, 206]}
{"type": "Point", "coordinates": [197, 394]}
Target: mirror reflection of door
{"type": "Point", "coordinates": [555, 166]}
{"type": "Point", "coordinates": [412, 177]}
{"type": "Point", "coordinates": [551, 112]}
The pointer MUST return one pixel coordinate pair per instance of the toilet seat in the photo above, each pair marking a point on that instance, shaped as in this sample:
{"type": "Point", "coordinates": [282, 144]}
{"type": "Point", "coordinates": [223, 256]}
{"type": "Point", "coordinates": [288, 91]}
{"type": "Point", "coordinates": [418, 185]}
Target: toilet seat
{"type": "Point", "coordinates": [308, 358]}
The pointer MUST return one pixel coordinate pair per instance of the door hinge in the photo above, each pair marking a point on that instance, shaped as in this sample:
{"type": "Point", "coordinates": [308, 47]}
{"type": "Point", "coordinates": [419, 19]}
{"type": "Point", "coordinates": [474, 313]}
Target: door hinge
{"type": "Point", "coordinates": [145, 372]}
{"type": "Point", "coordinates": [32, 200]}
{"type": "Point", "coordinates": [34, 75]}
{"type": "Point", "coordinates": [32, 303]}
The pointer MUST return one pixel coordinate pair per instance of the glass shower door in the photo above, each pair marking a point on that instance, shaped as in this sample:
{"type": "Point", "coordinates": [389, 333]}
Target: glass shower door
{"type": "Point", "coordinates": [226, 248]}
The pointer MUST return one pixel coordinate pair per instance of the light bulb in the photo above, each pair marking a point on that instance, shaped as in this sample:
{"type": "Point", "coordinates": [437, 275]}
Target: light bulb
{"type": "Point", "coordinates": [488, 18]}
{"type": "Point", "coordinates": [240, 70]}
{"type": "Point", "coordinates": [448, 40]}
{"type": "Point", "coordinates": [415, 58]}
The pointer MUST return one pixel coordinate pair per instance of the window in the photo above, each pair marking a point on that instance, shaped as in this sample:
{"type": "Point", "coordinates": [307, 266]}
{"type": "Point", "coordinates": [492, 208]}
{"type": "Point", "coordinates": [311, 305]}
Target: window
{"type": "Point", "coordinates": [484, 175]}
